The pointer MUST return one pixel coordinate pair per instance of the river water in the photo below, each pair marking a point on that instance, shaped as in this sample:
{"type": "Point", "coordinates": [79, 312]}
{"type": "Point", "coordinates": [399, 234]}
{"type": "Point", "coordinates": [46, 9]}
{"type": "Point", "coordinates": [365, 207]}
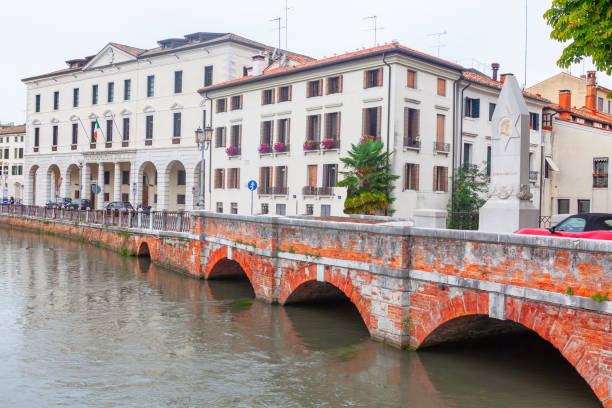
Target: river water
{"type": "Point", "coordinates": [83, 327]}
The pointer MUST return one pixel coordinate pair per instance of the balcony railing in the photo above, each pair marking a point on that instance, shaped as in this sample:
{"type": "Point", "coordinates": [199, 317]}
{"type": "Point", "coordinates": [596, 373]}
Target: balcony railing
{"type": "Point", "coordinates": [279, 190]}
{"type": "Point", "coordinates": [533, 175]}
{"type": "Point", "coordinates": [441, 147]}
{"type": "Point", "coordinates": [264, 190]}
{"type": "Point", "coordinates": [317, 191]}
{"type": "Point", "coordinates": [309, 190]}
{"type": "Point", "coordinates": [600, 180]}
{"type": "Point", "coordinates": [411, 143]}
{"type": "Point", "coordinates": [470, 166]}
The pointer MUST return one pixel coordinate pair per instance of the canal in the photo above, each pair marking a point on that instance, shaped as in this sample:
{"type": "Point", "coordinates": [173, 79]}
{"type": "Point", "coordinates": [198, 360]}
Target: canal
{"type": "Point", "coordinates": [84, 327]}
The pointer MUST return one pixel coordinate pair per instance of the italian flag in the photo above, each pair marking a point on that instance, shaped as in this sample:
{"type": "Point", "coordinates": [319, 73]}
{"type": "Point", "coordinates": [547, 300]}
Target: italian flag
{"type": "Point", "coordinates": [97, 132]}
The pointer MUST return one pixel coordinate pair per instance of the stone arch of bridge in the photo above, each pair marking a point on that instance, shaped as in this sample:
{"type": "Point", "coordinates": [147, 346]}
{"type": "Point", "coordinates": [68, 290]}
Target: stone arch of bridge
{"type": "Point", "coordinates": [303, 285]}
{"type": "Point", "coordinates": [222, 264]}
{"type": "Point", "coordinates": [466, 315]}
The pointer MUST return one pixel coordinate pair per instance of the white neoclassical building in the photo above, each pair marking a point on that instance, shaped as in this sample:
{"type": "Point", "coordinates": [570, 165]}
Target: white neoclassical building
{"type": "Point", "coordinates": [286, 127]}
{"type": "Point", "coordinates": [147, 109]}
{"type": "Point", "coordinates": [11, 162]}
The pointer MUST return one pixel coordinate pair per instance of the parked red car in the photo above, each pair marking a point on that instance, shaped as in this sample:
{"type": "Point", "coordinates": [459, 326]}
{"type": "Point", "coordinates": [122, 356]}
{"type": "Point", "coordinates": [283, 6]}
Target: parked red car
{"type": "Point", "coordinates": [588, 225]}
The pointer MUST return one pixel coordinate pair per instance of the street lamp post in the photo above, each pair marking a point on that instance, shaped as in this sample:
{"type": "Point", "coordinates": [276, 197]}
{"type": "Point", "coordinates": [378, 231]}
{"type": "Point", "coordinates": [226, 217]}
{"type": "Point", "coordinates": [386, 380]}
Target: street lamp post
{"type": "Point", "coordinates": [81, 181]}
{"type": "Point", "coordinates": [203, 139]}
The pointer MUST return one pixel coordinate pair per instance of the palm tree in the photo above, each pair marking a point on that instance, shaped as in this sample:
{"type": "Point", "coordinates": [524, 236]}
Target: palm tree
{"type": "Point", "coordinates": [368, 178]}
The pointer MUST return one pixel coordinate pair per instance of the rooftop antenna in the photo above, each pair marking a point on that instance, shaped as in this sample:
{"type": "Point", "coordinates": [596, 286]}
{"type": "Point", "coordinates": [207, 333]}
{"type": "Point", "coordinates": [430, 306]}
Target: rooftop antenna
{"type": "Point", "coordinates": [439, 35]}
{"type": "Point", "coordinates": [278, 19]}
{"type": "Point", "coordinates": [286, 8]}
{"type": "Point", "coordinates": [375, 29]}
{"type": "Point", "coordinates": [525, 73]}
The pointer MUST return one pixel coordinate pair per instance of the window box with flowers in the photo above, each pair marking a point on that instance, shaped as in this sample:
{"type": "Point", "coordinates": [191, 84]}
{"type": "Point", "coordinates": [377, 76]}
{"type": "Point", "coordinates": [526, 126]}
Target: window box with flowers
{"type": "Point", "coordinates": [367, 138]}
{"type": "Point", "coordinates": [264, 148]}
{"type": "Point", "coordinates": [330, 144]}
{"type": "Point", "coordinates": [232, 151]}
{"type": "Point", "coordinates": [280, 147]}
{"type": "Point", "coordinates": [310, 145]}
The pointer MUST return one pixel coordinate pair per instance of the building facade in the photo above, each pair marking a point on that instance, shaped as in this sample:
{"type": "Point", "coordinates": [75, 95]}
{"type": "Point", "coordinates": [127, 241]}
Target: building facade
{"type": "Point", "coordinates": [287, 128]}
{"type": "Point", "coordinates": [12, 162]}
{"type": "Point", "coordinates": [123, 121]}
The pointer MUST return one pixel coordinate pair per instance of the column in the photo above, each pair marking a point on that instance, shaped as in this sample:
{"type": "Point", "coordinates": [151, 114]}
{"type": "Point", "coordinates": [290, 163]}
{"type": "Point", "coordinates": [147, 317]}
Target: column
{"type": "Point", "coordinates": [117, 183]}
{"type": "Point", "coordinates": [66, 182]}
{"type": "Point", "coordinates": [162, 188]}
{"type": "Point", "coordinates": [100, 197]}
{"type": "Point", "coordinates": [85, 186]}
{"type": "Point", "coordinates": [189, 188]}
{"type": "Point", "coordinates": [27, 190]}
{"type": "Point", "coordinates": [135, 197]}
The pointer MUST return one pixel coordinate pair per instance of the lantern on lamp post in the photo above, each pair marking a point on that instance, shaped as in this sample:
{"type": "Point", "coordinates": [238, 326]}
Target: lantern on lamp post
{"type": "Point", "coordinates": [203, 139]}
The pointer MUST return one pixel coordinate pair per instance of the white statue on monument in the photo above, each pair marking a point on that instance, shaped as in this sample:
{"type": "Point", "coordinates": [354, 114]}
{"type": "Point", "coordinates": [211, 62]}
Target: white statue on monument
{"type": "Point", "coordinates": [509, 206]}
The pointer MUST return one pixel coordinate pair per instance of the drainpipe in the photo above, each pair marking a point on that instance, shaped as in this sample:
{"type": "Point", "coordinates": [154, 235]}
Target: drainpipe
{"type": "Point", "coordinates": [542, 166]}
{"type": "Point", "coordinates": [454, 137]}
{"type": "Point", "coordinates": [460, 138]}
{"type": "Point", "coordinates": [388, 107]}
{"type": "Point", "coordinates": [461, 125]}
{"type": "Point", "coordinates": [210, 147]}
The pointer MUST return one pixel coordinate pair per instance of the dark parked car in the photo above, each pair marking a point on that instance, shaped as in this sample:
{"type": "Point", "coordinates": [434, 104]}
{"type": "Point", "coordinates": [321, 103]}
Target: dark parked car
{"type": "Point", "coordinates": [79, 204]}
{"type": "Point", "coordinates": [58, 202]}
{"type": "Point", "coordinates": [587, 225]}
{"type": "Point", "coordinates": [119, 206]}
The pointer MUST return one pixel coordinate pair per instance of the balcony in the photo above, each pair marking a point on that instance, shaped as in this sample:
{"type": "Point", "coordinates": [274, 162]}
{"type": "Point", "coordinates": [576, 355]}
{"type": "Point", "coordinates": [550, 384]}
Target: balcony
{"type": "Point", "coordinates": [317, 191]}
{"type": "Point", "coordinates": [600, 180]}
{"type": "Point", "coordinates": [440, 147]}
{"type": "Point", "coordinates": [533, 175]}
{"type": "Point", "coordinates": [470, 167]}
{"type": "Point", "coordinates": [412, 144]}
{"type": "Point", "coordinates": [279, 190]}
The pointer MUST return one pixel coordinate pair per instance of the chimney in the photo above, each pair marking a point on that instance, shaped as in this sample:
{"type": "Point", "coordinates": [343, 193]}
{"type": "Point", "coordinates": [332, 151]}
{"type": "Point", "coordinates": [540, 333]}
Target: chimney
{"type": "Point", "coordinates": [565, 102]}
{"type": "Point", "coordinates": [503, 76]}
{"type": "Point", "coordinates": [494, 68]}
{"type": "Point", "coordinates": [258, 65]}
{"type": "Point", "coordinates": [591, 91]}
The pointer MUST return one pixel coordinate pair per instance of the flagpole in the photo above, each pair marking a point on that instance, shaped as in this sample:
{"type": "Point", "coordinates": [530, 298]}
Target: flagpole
{"type": "Point", "coordinates": [117, 127]}
{"type": "Point", "coordinates": [101, 131]}
{"type": "Point", "coordinates": [83, 126]}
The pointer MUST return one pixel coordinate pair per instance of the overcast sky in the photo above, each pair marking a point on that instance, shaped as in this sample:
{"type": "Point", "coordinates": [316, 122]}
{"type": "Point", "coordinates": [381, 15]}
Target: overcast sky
{"type": "Point", "coordinates": [40, 35]}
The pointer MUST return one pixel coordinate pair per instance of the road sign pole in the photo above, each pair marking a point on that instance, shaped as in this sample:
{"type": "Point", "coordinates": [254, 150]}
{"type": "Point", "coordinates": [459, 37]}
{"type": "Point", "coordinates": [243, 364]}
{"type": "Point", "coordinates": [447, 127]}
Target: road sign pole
{"type": "Point", "coordinates": [251, 202]}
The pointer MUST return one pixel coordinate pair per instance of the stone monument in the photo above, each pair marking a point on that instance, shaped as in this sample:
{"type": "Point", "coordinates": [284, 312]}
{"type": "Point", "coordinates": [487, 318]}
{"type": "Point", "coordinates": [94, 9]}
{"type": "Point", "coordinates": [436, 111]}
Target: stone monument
{"type": "Point", "coordinates": [509, 206]}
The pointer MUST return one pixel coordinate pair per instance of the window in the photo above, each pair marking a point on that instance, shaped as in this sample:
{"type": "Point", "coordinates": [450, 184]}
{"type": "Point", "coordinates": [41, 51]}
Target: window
{"type": "Point", "coordinates": [178, 81]}
{"type": "Point", "coordinates": [219, 207]}
{"type": "Point", "coordinates": [37, 104]}
{"type": "Point", "coordinates": [124, 197]}
{"type": "Point", "coordinates": [94, 94]}
{"type": "Point", "coordinates": [265, 180]}
{"type": "Point", "coordinates": [281, 180]}
{"type": "Point", "coordinates": [372, 78]}
{"type": "Point", "coordinates": [233, 178]}
{"type": "Point", "coordinates": [411, 79]}
{"type": "Point", "coordinates": [281, 209]}
{"type": "Point", "coordinates": [600, 104]}
{"type": "Point", "coordinates": [563, 206]}
{"type": "Point", "coordinates": [56, 100]}
{"type": "Point", "coordinates": [109, 130]}
{"type": "Point", "coordinates": [440, 145]}
{"type": "Point", "coordinates": [54, 141]}
{"type": "Point", "coordinates": [106, 197]}
{"type": "Point", "coordinates": [371, 121]}
{"type": "Point", "coordinates": [236, 102]}
{"type": "Point", "coordinates": [491, 110]}
{"type": "Point", "coordinates": [149, 127]}
{"type": "Point", "coordinates": [547, 121]}
{"type": "Point", "coordinates": [411, 127]}
{"type": "Point", "coordinates": [16, 153]}
{"type": "Point", "coordinates": [236, 136]}
{"type": "Point", "coordinates": [221, 105]}
{"type": "Point", "coordinates": [314, 88]}
{"type": "Point", "coordinates": [150, 85]}
{"type": "Point", "coordinates": [125, 178]}
{"type": "Point", "coordinates": [284, 93]}
{"type": "Point", "coordinates": [127, 89]}
{"type": "Point", "coordinates": [489, 160]}
{"type": "Point", "coordinates": [106, 178]}
{"type": "Point", "coordinates": [75, 97]}
{"type": "Point", "coordinates": [6, 156]}
{"type": "Point", "coordinates": [208, 75]}
{"type": "Point", "coordinates": [267, 97]}
{"type": "Point", "coordinates": [21, 153]}
{"type": "Point", "coordinates": [126, 129]}
{"type": "Point", "coordinates": [600, 173]}
{"type": "Point", "coordinates": [93, 132]}
{"type": "Point", "coordinates": [176, 125]}
{"type": "Point", "coordinates": [334, 85]}
{"type": "Point", "coordinates": [472, 108]}
{"type": "Point", "coordinates": [411, 176]}
{"type": "Point", "coordinates": [265, 208]}
{"type": "Point", "coordinates": [234, 208]}
{"type": "Point", "coordinates": [330, 177]}
{"type": "Point", "coordinates": [75, 134]}
{"type": "Point", "coordinates": [534, 121]}
{"type": "Point", "coordinates": [219, 178]}
{"type": "Point", "coordinates": [584, 206]}
{"type": "Point", "coordinates": [325, 210]}
{"type": "Point", "coordinates": [313, 127]}
{"type": "Point", "coordinates": [309, 209]}
{"type": "Point", "coordinates": [111, 92]}
{"type": "Point", "coordinates": [283, 131]}
{"type": "Point", "coordinates": [266, 136]}
{"type": "Point", "coordinates": [332, 127]}
{"type": "Point", "coordinates": [220, 137]}
{"type": "Point", "coordinates": [180, 178]}
{"type": "Point", "coordinates": [440, 178]}
{"type": "Point", "coordinates": [467, 155]}
{"type": "Point", "coordinates": [36, 137]}
{"type": "Point", "coordinates": [571, 224]}
{"type": "Point", "coordinates": [312, 176]}
{"type": "Point", "coordinates": [441, 87]}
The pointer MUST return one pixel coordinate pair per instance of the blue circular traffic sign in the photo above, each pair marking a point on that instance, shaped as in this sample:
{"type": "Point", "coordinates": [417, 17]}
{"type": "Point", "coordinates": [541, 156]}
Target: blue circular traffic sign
{"type": "Point", "coordinates": [252, 185]}
{"type": "Point", "coordinates": [96, 189]}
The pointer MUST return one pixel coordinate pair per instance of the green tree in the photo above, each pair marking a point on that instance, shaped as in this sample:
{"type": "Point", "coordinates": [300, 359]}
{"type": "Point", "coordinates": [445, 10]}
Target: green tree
{"type": "Point", "coordinates": [587, 25]}
{"type": "Point", "coordinates": [368, 178]}
{"type": "Point", "coordinates": [468, 196]}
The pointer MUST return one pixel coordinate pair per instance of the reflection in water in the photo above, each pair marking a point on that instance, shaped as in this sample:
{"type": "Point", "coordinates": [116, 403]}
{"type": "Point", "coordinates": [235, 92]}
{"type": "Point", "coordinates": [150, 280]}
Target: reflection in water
{"type": "Point", "coordinates": [82, 326]}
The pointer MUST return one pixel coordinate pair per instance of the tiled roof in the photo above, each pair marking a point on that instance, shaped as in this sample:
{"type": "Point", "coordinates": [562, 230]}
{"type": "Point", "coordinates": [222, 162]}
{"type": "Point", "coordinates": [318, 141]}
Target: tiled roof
{"type": "Point", "coordinates": [130, 50]}
{"type": "Point", "coordinates": [9, 130]}
{"type": "Point", "coordinates": [474, 77]}
{"type": "Point", "coordinates": [584, 113]}
{"type": "Point", "coordinates": [331, 60]}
